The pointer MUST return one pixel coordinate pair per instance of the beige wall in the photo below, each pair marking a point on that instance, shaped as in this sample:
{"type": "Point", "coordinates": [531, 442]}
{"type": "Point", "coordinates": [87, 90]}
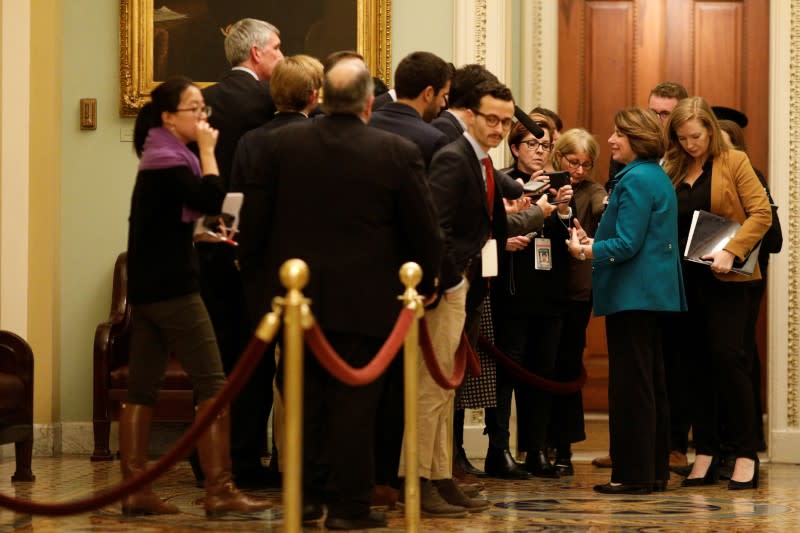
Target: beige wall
{"type": "Point", "coordinates": [97, 174]}
{"type": "Point", "coordinates": [433, 28]}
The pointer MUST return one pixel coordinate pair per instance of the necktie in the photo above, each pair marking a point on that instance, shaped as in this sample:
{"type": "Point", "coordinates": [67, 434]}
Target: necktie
{"type": "Point", "coordinates": [487, 164]}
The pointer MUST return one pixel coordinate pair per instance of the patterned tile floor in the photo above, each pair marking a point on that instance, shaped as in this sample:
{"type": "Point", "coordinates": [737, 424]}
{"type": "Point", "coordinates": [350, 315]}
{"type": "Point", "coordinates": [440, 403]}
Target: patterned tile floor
{"type": "Point", "coordinates": [567, 504]}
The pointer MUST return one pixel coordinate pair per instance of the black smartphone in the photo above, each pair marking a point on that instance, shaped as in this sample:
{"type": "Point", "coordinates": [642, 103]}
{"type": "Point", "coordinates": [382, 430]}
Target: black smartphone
{"type": "Point", "coordinates": [558, 178]}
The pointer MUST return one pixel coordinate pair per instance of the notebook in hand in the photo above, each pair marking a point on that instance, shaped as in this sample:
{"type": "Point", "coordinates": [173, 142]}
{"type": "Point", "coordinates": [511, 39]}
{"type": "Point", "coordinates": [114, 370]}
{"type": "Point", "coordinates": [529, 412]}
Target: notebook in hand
{"type": "Point", "coordinates": [231, 206]}
{"type": "Point", "coordinates": [710, 233]}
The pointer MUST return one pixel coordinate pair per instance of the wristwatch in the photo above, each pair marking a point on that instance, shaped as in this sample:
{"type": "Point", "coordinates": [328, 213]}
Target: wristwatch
{"type": "Point", "coordinates": [581, 255]}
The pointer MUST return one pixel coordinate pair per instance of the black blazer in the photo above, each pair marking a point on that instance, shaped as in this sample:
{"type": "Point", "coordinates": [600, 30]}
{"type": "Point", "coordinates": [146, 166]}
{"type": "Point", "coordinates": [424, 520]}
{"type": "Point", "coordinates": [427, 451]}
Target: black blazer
{"type": "Point", "coordinates": [381, 100]}
{"type": "Point", "coordinates": [403, 120]}
{"type": "Point", "coordinates": [459, 194]}
{"type": "Point", "coordinates": [350, 201]}
{"type": "Point", "coordinates": [239, 103]}
{"type": "Point", "coordinates": [448, 124]}
{"type": "Point", "coordinates": [246, 165]}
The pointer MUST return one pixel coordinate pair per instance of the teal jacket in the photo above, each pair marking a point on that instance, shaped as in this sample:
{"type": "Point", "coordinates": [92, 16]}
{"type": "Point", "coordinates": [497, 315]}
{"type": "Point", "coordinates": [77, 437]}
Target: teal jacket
{"type": "Point", "coordinates": [637, 263]}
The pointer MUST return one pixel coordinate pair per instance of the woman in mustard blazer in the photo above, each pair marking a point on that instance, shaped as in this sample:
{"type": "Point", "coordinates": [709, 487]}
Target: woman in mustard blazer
{"type": "Point", "coordinates": [636, 279]}
{"type": "Point", "coordinates": [710, 176]}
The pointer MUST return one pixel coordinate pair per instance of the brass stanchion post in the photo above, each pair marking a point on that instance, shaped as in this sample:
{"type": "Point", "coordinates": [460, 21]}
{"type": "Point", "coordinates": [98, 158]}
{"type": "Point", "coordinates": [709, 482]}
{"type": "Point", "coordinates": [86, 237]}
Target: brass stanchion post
{"type": "Point", "coordinates": [294, 276]}
{"type": "Point", "coordinates": [410, 275]}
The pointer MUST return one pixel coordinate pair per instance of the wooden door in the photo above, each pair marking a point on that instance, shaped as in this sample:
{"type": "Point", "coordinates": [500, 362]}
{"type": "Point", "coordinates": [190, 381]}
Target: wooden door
{"type": "Point", "coordinates": [612, 52]}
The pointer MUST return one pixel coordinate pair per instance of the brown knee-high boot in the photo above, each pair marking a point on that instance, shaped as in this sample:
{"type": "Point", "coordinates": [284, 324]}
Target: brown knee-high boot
{"type": "Point", "coordinates": [134, 433]}
{"type": "Point", "coordinates": [214, 446]}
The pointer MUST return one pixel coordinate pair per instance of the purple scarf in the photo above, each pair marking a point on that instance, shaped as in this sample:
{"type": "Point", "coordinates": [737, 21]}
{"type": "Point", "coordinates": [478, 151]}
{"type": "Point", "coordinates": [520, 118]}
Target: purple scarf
{"type": "Point", "coordinates": [163, 150]}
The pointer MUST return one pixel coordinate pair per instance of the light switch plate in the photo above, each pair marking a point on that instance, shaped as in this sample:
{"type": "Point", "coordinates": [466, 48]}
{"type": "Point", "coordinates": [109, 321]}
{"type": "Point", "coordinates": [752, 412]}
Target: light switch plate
{"type": "Point", "coordinates": [88, 113]}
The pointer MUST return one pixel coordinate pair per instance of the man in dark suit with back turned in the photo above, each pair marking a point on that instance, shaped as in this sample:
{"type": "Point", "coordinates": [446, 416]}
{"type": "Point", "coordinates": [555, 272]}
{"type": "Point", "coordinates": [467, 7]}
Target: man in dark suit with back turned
{"type": "Point", "coordinates": [294, 86]}
{"type": "Point", "coordinates": [422, 80]}
{"type": "Point", "coordinates": [352, 202]}
{"type": "Point", "coordinates": [240, 101]}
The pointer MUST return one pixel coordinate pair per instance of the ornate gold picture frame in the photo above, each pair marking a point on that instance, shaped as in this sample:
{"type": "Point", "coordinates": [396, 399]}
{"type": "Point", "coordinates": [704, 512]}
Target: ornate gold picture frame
{"type": "Point", "coordinates": [138, 34]}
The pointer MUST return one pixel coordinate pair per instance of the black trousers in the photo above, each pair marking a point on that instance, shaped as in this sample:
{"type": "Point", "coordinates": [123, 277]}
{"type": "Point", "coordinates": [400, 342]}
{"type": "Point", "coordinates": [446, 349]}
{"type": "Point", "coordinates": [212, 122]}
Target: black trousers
{"type": "Point", "coordinates": [721, 381]}
{"type": "Point", "coordinates": [390, 425]}
{"type": "Point", "coordinates": [339, 430]}
{"type": "Point", "coordinates": [756, 291]}
{"type": "Point", "coordinates": [223, 293]}
{"type": "Point", "coordinates": [532, 342]}
{"type": "Point", "coordinates": [638, 410]}
{"type": "Point", "coordinates": [566, 419]}
{"type": "Point", "coordinates": [677, 368]}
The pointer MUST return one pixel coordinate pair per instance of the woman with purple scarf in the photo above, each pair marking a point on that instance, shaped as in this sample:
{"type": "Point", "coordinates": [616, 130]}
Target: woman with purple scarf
{"type": "Point", "coordinates": [173, 188]}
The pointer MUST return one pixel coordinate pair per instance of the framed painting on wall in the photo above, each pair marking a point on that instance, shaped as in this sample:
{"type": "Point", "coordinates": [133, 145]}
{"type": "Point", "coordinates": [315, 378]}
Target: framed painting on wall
{"type": "Point", "coordinates": [163, 38]}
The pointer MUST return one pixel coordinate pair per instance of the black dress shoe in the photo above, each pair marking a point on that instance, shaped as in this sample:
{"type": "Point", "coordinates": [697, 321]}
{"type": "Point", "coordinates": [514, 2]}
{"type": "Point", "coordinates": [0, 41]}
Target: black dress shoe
{"type": "Point", "coordinates": [563, 465]}
{"type": "Point", "coordinates": [462, 461]}
{"type": "Point", "coordinates": [623, 488]}
{"type": "Point", "coordinates": [742, 485]}
{"type": "Point", "coordinates": [374, 518]}
{"type": "Point", "coordinates": [500, 464]}
{"type": "Point", "coordinates": [660, 486]}
{"type": "Point", "coordinates": [536, 463]}
{"type": "Point", "coordinates": [711, 477]}
{"type": "Point", "coordinates": [312, 511]}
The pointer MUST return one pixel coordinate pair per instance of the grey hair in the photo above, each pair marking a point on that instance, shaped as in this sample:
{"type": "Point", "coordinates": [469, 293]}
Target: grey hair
{"type": "Point", "coordinates": [243, 35]}
{"type": "Point", "coordinates": [347, 88]}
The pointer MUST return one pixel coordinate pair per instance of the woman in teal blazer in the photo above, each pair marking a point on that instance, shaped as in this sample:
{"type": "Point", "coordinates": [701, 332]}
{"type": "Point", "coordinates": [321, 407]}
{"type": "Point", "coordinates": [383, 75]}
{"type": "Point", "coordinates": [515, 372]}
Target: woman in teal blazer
{"type": "Point", "coordinates": [636, 276]}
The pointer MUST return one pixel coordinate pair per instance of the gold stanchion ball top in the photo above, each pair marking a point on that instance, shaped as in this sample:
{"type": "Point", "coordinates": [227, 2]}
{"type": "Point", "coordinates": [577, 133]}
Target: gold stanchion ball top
{"type": "Point", "coordinates": [294, 274]}
{"type": "Point", "coordinates": [410, 274]}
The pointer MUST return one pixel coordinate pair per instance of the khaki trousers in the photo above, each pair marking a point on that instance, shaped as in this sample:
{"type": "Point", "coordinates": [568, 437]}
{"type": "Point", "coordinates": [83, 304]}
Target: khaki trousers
{"type": "Point", "coordinates": [435, 406]}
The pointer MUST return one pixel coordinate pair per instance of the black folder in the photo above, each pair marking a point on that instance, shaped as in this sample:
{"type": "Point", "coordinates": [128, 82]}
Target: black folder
{"type": "Point", "coordinates": [709, 233]}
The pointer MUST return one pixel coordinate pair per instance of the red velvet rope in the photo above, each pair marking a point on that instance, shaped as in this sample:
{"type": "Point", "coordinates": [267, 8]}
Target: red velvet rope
{"type": "Point", "coordinates": [434, 369]}
{"type": "Point", "coordinates": [473, 362]}
{"type": "Point", "coordinates": [348, 375]}
{"type": "Point", "coordinates": [236, 380]}
{"type": "Point", "coordinates": [526, 377]}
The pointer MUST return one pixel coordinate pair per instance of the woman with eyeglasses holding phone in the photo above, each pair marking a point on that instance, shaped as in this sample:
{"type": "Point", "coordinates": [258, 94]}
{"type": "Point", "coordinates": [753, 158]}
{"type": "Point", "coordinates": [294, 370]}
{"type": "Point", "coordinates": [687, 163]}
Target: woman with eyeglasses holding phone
{"type": "Point", "coordinates": [173, 189]}
{"type": "Point", "coordinates": [576, 152]}
{"type": "Point", "coordinates": [527, 303]}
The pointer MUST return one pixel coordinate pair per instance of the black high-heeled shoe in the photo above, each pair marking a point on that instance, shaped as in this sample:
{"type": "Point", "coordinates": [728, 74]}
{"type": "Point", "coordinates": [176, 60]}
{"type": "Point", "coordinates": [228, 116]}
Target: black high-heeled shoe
{"type": "Point", "coordinates": [752, 484]}
{"type": "Point", "coordinates": [711, 477]}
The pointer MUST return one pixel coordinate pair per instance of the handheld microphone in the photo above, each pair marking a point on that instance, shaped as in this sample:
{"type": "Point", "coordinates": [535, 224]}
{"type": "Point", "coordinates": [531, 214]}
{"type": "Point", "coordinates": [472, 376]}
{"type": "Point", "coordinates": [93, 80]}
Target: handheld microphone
{"type": "Point", "coordinates": [531, 126]}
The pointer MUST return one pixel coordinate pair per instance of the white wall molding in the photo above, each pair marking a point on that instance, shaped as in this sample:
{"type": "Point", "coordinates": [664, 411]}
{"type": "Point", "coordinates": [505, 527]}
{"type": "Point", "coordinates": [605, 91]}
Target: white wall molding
{"type": "Point", "coordinates": [784, 275]}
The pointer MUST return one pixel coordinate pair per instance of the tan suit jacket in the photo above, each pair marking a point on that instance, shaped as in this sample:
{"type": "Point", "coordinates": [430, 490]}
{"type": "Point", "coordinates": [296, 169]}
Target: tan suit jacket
{"type": "Point", "coordinates": [737, 194]}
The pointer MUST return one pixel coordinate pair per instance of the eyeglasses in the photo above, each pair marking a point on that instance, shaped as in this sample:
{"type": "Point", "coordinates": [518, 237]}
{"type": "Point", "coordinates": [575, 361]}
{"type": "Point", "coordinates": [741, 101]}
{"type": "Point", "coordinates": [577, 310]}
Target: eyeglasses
{"type": "Point", "coordinates": [663, 115]}
{"type": "Point", "coordinates": [571, 163]}
{"type": "Point", "coordinates": [197, 110]}
{"type": "Point", "coordinates": [494, 120]}
{"type": "Point", "coordinates": [534, 145]}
